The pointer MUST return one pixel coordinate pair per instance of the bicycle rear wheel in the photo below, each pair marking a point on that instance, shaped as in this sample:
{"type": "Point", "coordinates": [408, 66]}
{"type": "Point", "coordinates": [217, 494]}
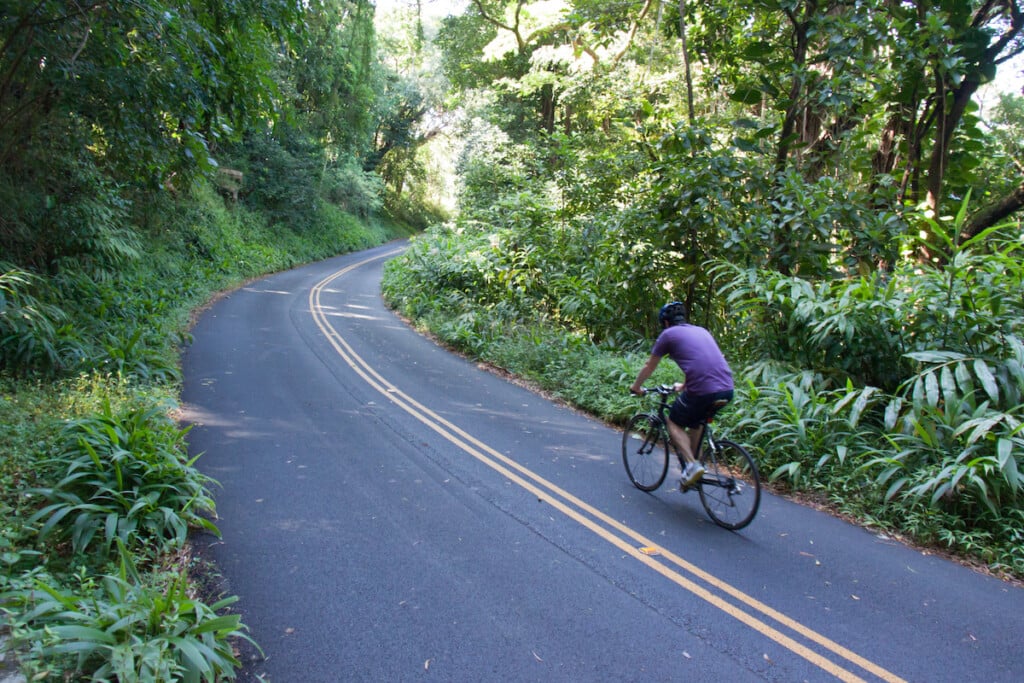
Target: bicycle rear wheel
{"type": "Point", "coordinates": [645, 451]}
{"type": "Point", "coordinates": [730, 489]}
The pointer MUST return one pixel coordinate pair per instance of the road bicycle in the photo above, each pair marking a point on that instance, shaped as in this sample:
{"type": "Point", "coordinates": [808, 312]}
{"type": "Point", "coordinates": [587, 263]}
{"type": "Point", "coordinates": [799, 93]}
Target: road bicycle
{"type": "Point", "coordinates": [730, 489]}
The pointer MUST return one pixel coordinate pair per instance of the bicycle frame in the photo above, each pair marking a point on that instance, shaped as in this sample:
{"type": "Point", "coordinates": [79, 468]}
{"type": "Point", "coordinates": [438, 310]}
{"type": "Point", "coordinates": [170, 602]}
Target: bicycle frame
{"type": "Point", "coordinates": [707, 434]}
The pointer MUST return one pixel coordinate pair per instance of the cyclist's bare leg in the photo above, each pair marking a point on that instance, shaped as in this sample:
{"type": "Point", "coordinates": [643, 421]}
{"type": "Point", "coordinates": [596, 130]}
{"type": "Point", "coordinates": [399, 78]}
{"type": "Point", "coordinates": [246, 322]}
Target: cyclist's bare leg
{"type": "Point", "coordinates": [686, 441]}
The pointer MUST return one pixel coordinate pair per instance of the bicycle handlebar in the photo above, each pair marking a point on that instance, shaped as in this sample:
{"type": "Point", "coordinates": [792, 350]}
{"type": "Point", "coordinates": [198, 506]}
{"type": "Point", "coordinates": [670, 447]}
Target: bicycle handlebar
{"type": "Point", "coordinates": [661, 390]}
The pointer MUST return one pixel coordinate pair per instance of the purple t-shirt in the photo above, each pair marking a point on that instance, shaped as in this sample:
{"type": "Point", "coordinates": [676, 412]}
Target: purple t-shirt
{"type": "Point", "coordinates": [697, 354]}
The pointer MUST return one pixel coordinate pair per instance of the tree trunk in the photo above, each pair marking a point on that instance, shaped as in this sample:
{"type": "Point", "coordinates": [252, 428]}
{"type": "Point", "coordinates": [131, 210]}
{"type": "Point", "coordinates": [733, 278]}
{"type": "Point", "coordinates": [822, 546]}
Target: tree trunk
{"type": "Point", "coordinates": [993, 213]}
{"type": "Point", "coordinates": [948, 121]}
{"type": "Point", "coordinates": [796, 90]}
{"type": "Point", "coordinates": [783, 247]}
{"type": "Point", "coordinates": [887, 157]}
{"type": "Point", "coordinates": [686, 61]}
{"type": "Point", "coordinates": [547, 107]}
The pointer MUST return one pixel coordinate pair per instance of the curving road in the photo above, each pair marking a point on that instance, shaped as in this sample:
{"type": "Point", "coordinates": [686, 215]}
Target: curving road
{"type": "Point", "coordinates": [390, 512]}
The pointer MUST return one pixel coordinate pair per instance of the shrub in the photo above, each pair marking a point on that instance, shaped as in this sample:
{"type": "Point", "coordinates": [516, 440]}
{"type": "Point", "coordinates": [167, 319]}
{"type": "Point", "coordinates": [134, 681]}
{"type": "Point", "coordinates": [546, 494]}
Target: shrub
{"type": "Point", "coordinates": [957, 434]}
{"type": "Point", "coordinates": [802, 435]}
{"type": "Point", "coordinates": [125, 479]}
{"type": "Point", "coordinates": [34, 335]}
{"type": "Point", "coordinates": [354, 190]}
{"type": "Point", "coordinates": [62, 211]}
{"type": "Point", "coordinates": [124, 627]}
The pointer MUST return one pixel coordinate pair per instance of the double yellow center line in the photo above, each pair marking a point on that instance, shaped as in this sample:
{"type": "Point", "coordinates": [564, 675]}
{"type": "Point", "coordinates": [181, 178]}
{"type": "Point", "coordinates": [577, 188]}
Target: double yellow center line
{"type": "Point", "coordinates": [745, 609]}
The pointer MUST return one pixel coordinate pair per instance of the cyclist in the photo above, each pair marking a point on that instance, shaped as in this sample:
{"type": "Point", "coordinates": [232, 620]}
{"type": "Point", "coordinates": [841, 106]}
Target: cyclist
{"type": "Point", "coordinates": [708, 381]}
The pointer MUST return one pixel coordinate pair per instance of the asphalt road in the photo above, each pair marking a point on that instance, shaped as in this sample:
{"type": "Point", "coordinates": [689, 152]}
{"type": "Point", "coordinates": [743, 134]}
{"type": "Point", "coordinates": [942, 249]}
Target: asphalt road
{"type": "Point", "coordinates": [391, 512]}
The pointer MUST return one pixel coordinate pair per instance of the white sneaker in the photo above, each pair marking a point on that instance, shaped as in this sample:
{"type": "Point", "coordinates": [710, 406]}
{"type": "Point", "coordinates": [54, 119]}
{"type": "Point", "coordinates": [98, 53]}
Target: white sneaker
{"type": "Point", "coordinates": [691, 475]}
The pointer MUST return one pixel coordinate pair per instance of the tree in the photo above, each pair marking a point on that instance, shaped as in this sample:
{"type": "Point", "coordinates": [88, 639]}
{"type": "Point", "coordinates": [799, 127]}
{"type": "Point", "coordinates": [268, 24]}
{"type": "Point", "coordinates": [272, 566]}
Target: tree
{"type": "Point", "coordinates": [537, 51]}
{"type": "Point", "coordinates": [336, 76]}
{"type": "Point", "coordinates": [156, 82]}
{"type": "Point", "coordinates": [983, 36]}
{"type": "Point", "coordinates": [1005, 163]}
{"type": "Point", "coordinates": [105, 95]}
{"type": "Point", "coordinates": [921, 63]}
{"type": "Point", "coordinates": [853, 122]}
{"type": "Point", "coordinates": [947, 50]}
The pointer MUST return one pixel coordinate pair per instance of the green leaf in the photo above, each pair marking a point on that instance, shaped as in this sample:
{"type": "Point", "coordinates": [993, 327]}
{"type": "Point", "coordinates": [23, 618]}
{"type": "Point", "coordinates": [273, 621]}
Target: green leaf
{"type": "Point", "coordinates": [758, 49]}
{"type": "Point", "coordinates": [939, 493]}
{"type": "Point", "coordinates": [745, 145]}
{"type": "Point", "coordinates": [1008, 463]}
{"type": "Point", "coordinates": [860, 405]}
{"type": "Point", "coordinates": [979, 427]}
{"type": "Point", "coordinates": [86, 635]}
{"type": "Point", "coordinates": [963, 378]}
{"type": "Point", "coordinates": [935, 356]}
{"type": "Point", "coordinates": [932, 389]}
{"type": "Point", "coordinates": [948, 383]}
{"type": "Point", "coordinates": [750, 124]}
{"type": "Point", "coordinates": [892, 413]}
{"type": "Point", "coordinates": [988, 382]}
{"type": "Point", "coordinates": [196, 664]}
{"type": "Point", "coordinates": [227, 623]}
{"type": "Point", "coordinates": [895, 487]}
{"type": "Point", "coordinates": [746, 95]}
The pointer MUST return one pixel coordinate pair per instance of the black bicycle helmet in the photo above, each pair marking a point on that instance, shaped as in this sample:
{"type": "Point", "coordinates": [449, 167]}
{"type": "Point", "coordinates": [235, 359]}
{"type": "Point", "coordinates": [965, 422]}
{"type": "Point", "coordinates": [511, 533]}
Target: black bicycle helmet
{"type": "Point", "coordinates": [673, 313]}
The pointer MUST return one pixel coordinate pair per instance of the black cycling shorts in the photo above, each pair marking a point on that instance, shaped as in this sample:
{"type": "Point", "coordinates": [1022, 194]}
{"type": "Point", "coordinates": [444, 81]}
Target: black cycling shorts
{"type": "Point", "coordinates": [690, 410]}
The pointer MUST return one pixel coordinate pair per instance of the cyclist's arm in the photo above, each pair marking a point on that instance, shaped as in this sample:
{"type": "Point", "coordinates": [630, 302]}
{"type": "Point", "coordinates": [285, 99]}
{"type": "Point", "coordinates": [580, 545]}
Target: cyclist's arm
{"type": "Point", "coordinates": [645, 372]}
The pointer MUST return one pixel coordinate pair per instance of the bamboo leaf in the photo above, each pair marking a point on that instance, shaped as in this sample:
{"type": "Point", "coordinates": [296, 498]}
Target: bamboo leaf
{"type": "Point", "coordinates": [226, 623]}
{"type": "Point", "coordinates": [948, 384]}
{"type": "Point", "coordinates": [935, 356]}
{"type": "Point", "coordinates": [892, 413]}
{"type": "Point", "coordinates": [939, 492]}
{"type": "Point", "coordinates": [1008, 463]}
{"type": "Point", "coordinates": [963, 378]}
{"type": "Point", "coordinates": [197, 664]}
{"type": "Point", "coordinates": [85, 635]}
{"type": "Point", "coordinates": [932, 389]}
{"type": "Point", "coordinates": [979, 428]}
{"type": "Point", "coordinates": [860, 405]}
{"type": "Point", "coordinates": [895, 488]}
{"type": "Point", "coordinates": [988, 382]}
{"type": "Point", "coordinates": [918, 394]}
{"type": "Point", "coordinates": [59, 510]}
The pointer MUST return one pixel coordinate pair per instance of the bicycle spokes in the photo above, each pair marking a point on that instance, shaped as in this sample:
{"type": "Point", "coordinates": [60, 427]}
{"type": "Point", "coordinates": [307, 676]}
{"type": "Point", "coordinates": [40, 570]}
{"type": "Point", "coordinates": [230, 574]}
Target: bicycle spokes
{"type": "Point", "coordinates": [730, 489]}
{"type": "Point", "coordinates": [645, 452]}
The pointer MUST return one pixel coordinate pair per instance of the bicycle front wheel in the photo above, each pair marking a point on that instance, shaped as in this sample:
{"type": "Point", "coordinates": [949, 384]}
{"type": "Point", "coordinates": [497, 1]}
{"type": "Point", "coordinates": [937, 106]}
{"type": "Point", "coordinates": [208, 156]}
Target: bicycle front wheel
{"type": "Point", "coordinates": [645, 451]}
{"type": "Point", "coordinates": [730, 489]}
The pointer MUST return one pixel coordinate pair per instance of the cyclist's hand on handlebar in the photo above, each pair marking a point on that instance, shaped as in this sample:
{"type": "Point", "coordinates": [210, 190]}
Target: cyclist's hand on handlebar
{"type": "Point", "coordinates": [678, 387]}
{"type": "Point", "coordinates": [637, 391]}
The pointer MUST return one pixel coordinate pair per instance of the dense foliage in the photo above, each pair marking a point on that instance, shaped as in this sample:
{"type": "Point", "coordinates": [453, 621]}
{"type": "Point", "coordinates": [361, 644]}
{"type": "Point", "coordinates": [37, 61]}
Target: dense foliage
{"type": "Point", "coordinates": [816, 180]}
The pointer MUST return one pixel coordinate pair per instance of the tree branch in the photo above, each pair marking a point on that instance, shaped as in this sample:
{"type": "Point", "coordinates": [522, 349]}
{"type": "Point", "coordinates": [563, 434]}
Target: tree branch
{"type": "Point", "coordinates": [1014, 29]}
{"type": "Point", "coordinates": [514, 29]}
{"type": "Point", "coordinates": [632, 32]}
{"type": "Point", "coordinates": [995, 212]}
